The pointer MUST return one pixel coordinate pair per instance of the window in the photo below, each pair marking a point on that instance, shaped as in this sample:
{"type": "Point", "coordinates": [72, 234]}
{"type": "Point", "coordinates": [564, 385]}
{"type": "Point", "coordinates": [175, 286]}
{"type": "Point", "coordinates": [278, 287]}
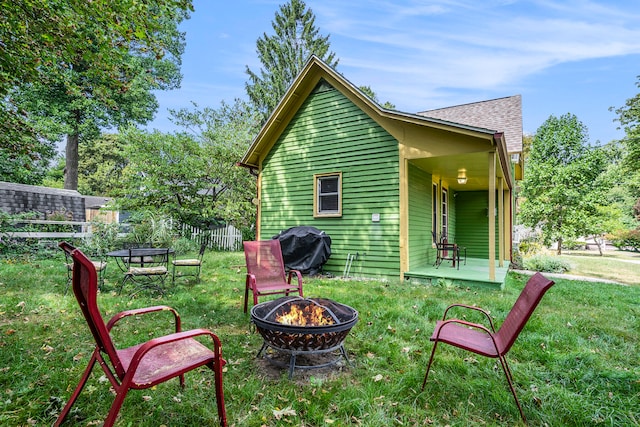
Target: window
{"type": "Point", "coordinates": [327, 195]}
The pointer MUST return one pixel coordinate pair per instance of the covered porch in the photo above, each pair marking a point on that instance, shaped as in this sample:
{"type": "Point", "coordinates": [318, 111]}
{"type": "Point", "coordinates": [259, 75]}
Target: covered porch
{"type": "Point", "coordinates": [475, 272]}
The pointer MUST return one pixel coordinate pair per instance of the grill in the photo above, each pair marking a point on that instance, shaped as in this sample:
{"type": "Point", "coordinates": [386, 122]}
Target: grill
{"type": "Point", "coordinates": [296, 340]}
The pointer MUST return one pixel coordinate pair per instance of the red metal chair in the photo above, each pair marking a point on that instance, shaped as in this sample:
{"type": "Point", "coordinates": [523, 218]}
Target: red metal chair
{"type": "Point", "coordinates": [143, 365]}
{"type": "Point", "coordinates": [487, 342]}
{"type": "Point", "coordinates": [265, 271]}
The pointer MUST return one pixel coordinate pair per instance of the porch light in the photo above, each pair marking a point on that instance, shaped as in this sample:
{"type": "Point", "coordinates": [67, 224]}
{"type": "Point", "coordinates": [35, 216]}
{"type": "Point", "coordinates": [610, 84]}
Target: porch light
{"type": "Point", "coordinates": [462, 176]}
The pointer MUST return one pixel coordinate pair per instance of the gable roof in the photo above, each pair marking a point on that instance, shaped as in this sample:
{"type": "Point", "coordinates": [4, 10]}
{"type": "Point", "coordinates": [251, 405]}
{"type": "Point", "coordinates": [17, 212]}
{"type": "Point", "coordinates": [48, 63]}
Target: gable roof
{"type": "Point", "coordinates": [394, 122]}
{"type": "Point", "coordinates": [501, 115]}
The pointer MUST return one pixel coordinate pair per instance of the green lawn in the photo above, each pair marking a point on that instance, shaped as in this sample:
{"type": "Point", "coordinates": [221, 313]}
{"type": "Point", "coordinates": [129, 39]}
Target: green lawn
{"type": "Point", "coordinates": [620, 266]}
{"type": "Point", "coordinates": [575, 364]}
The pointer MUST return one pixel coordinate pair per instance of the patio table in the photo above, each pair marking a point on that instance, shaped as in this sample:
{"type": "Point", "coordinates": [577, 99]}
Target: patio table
{"type": "Point", "coordinates": [138, 256]}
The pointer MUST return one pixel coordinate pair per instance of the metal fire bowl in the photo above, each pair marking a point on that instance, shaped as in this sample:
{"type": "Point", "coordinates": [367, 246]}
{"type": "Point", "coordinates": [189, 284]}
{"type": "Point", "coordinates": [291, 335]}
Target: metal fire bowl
{"type": "Point", "coordinates": [303, 338]}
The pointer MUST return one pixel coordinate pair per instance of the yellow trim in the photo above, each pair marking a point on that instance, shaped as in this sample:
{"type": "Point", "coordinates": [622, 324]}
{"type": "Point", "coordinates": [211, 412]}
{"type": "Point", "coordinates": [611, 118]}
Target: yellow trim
{"type": "Point", "coordinates": [404, 212]}
{"type": "Point", "coordinates": [317, 214]}
{"type": "Point", "coordinates": [501, 222]}
{"type": "Point", "coordinates": [259, 207]}
{"type": "Point", "coordinates": [492, 215]}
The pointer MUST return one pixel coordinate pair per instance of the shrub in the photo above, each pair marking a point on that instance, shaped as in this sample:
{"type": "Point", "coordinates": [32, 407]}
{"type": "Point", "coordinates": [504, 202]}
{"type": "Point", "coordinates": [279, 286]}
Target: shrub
{"type": "Point", "coordinates": [184, 245]}
{"type": "Point", "coordinates": [547, 264]}
{"type": "Point", "coordinates": [572, 245]}
{"type": "Point", "coordinates": [626, 239]}
{"type": "Point", "coordinates": [529, 246]}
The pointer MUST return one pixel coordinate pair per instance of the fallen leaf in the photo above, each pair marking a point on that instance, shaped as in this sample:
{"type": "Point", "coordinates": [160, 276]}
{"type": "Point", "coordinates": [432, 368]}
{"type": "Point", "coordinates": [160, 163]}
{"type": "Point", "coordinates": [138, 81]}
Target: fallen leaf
{"type": "Point", "coordinates": [378, 378]}
{"type": "Point", "coordinates": [146, 398]}
{"type": "Point", "coordinates": [286, 412]}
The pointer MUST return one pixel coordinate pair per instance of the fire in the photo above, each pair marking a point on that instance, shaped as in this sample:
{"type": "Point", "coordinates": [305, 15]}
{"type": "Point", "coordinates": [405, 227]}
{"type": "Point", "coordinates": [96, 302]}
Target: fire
{"type": "Point", "coordinates": [310, 315]}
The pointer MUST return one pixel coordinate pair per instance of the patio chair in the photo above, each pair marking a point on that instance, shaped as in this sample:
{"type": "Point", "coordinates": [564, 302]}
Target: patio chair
{"type": "Point", "coordinates": [146, 364]}
{"type": "Point", "coordinates": [485, 341]}
{"type": "Point", "coordinates": [192, 265]}
{"type": "Point", "coordinates": [265, 271]}
{"type": "Point", "coordinates": [446, 251]}
{"type": "Point", "coordinates": [100, 265]}
{"type": "Point", "coordinates": [151, 271]}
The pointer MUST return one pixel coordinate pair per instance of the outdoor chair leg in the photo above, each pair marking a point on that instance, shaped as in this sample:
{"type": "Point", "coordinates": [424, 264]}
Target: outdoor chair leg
{"type": "Point", "coordinates": [115, 406]}
{"type": "Point", "coordinates": [507, 373]}
{"type": "Point", "coordinates": [433, 352]}
{"type": "Point", "coordinates": [76, 392]}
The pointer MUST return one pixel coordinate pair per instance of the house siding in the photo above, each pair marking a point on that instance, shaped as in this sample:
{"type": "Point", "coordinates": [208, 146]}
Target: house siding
{"type": "Point", "coordinates": [472, 224]}
{"type": "Point", "coordinates": [420, 211]}
{"type": "Point", "coordinates": [330, 134]}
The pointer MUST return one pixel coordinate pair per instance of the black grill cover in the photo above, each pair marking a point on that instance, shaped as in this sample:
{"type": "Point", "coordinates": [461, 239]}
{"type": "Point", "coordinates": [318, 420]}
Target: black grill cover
{"type": "Point", "coordinates": [305, 249]}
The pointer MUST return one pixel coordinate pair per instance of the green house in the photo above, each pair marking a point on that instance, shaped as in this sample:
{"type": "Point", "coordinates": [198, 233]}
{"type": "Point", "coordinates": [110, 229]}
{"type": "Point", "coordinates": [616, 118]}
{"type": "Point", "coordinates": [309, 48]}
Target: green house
{"type": "Point", "coordinates": [382, 183]}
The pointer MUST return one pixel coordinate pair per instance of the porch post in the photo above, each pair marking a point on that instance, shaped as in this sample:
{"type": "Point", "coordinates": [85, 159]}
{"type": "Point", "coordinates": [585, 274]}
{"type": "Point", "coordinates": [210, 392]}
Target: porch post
{"type": "Point", "coordinates": [492, 215]}
{"type": "Point", "coordinates": [501, 222]}
{"type": "Point", "coordinates": [508, 234]}
{"type": "Point", "coordinates": [404, 213]}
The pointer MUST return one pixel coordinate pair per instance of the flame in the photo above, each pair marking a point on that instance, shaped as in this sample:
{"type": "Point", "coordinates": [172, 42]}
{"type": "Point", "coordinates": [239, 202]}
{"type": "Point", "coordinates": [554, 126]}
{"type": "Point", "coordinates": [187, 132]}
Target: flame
{"type": "Point", "coordinates": [310, 315]}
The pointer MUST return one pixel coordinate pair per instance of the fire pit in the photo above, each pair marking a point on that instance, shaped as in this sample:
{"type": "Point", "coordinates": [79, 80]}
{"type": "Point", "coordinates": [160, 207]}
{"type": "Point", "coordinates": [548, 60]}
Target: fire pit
{"type": "Point", "coordinates": [303, 326]}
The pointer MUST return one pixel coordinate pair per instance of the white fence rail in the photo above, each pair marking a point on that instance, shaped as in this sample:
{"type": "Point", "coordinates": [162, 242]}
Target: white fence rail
{"type": "Point", "coordinates": [227, 238]}
{"type": "Point", "coordinates": [78, 229]}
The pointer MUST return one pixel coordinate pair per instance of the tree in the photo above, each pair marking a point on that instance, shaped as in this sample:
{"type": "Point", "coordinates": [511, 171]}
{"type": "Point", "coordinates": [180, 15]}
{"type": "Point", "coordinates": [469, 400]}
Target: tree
{"type": "Point", "coordinates": [284, 54]}
{"type": "Point", "coordinates": [629, 118]}
{"type": "Point", "coordinates": [102, 161]}
{"type": "Point", "coordinates": [113, 55]}
{"type": "Point", "coordinates": [561, 188]}
{"type": "Point", "coordinates": [371, 94]}
{"type": "Point", "coordinates": [192, 175]}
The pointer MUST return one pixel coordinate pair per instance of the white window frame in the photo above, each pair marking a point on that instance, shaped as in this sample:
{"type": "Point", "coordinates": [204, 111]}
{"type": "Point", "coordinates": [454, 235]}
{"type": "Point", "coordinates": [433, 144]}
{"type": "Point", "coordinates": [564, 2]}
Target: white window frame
{"type": "Point", "coordinates": [445, 213]}
{"type": "Point", "coordinates": [317, 195]}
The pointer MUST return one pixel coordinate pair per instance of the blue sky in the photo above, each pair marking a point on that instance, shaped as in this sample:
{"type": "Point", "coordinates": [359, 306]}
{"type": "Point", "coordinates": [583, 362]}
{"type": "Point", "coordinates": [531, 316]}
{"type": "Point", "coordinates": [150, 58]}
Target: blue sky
{"type": "Point", "coordinates": [572, 56]}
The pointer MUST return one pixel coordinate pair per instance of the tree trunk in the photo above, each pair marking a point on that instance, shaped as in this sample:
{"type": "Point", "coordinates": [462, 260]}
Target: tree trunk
{"type": "Point", "coordinates": [560, 246]}
{"type": "Point", "coordinates": [71, 163]}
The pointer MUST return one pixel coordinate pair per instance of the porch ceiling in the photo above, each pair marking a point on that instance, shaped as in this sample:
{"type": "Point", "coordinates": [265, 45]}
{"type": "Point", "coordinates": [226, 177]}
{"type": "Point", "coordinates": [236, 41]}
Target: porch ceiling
{"type": "Point", "coordinates": [446, 168]}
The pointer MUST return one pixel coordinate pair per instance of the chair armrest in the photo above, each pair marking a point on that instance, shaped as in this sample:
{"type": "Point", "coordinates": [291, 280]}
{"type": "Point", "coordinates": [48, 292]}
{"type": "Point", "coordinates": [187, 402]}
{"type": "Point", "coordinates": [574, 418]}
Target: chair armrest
{"type": "Point", "coordinates": [178, 336]}
{"type": "Point", "coordinates": [297, 273]}
{"type": "Point", "coordinates": [468, 324]}
{"type": "Point", "coordinates": [135, 312]}
{"type": "Point", "coordinates": [470, 307]}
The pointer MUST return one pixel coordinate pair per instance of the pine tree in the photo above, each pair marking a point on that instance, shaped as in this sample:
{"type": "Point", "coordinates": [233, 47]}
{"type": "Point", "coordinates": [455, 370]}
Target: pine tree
{"type": "Point", "coordinates": [284, 54]}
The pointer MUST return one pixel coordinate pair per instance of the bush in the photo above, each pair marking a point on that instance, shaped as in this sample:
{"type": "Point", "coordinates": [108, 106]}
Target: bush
{"type": "Point", "coordinates": [547, 264]}
{"type": "Point", "coordinates": [572, 245]}
{"type": "Point", "coordinates": [184, 245]}
{"type": "Point", "coordinates": [529, 246]}
{"type": "Point", "coordinates": [626, 239]}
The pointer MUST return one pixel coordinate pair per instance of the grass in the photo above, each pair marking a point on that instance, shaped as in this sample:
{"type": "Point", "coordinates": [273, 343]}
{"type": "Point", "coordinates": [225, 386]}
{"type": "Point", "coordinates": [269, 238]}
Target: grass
{"type": "Point", "coordinates": [620, 266]}
{"type": "Point", "coordinates": [575, 364]}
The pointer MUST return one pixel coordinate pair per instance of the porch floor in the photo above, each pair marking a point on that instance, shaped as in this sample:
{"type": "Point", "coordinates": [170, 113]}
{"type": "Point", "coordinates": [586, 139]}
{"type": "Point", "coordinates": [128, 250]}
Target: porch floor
{"type": "Point", "coordinates": [475, 272]}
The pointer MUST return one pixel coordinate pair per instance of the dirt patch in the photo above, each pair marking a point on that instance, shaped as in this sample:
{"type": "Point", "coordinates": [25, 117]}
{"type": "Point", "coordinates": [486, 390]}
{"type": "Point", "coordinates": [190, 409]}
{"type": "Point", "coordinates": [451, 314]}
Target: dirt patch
{"type": "Point", "coordinates": [278, 367]}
